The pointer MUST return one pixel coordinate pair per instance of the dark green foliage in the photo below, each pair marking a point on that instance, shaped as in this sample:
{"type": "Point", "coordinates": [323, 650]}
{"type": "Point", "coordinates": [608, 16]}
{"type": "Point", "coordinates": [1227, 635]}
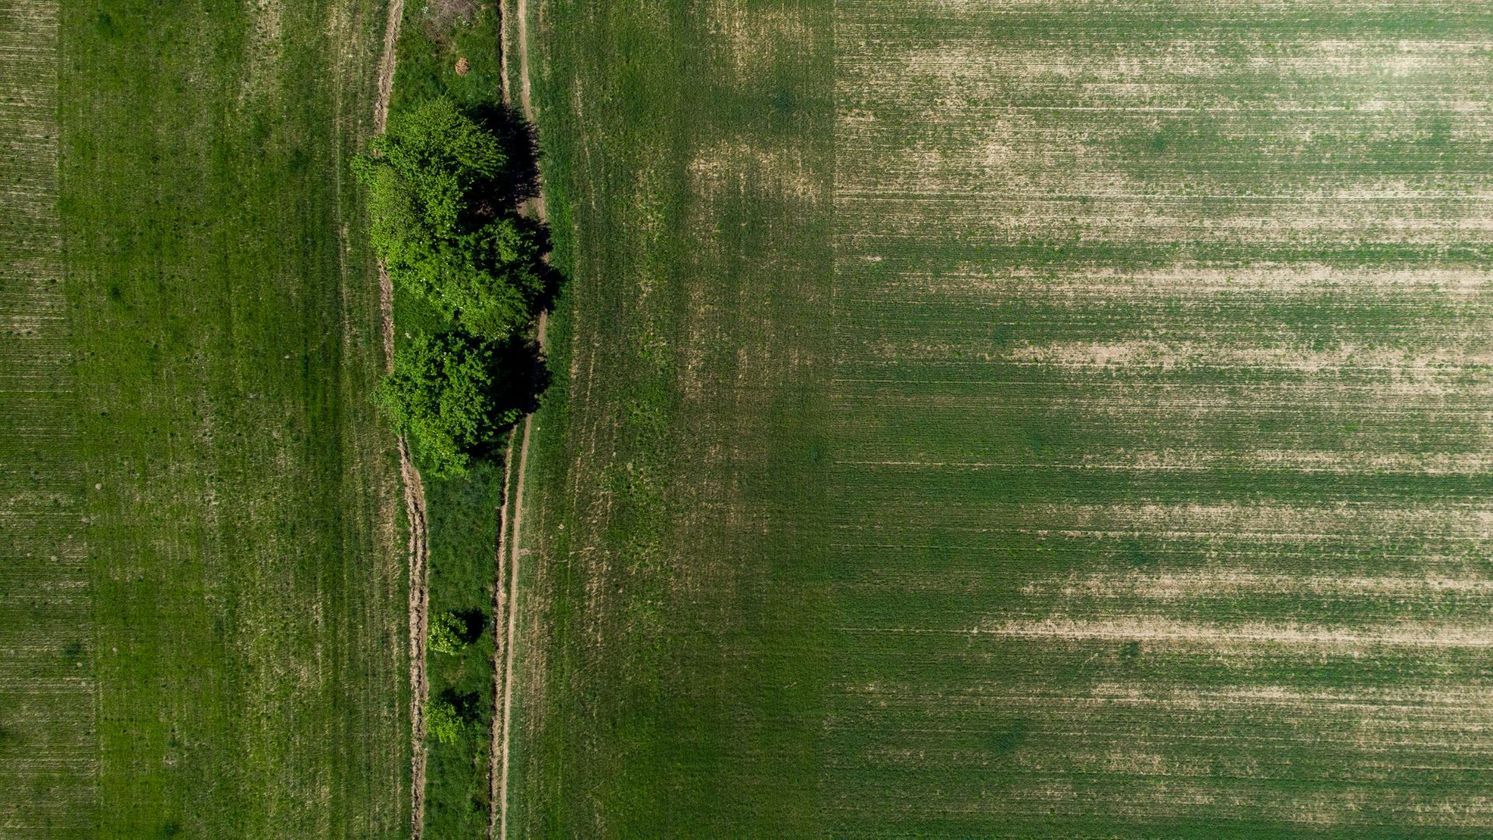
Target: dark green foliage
{"type": "Point", "coordinates": [1008, 738]}
{"type": "Point", "coordinates": [442, 393]}
{"type": "Point", "coordinates": [431, 181]}
{"type": "Point", "coordinates": [495, 290]}
{"type": "Point", "coordinates": [72, 653]}
{"type": "Point", "coordinates": [440, 157]}
{"type": "Point", "coordinates": [452, 715]}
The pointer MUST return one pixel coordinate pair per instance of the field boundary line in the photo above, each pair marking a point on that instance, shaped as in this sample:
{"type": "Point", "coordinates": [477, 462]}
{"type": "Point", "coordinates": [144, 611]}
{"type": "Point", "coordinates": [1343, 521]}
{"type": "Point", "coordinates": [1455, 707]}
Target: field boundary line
{"type": "Point", "coordinates": [386, 61]}
{"type": "Point", "coordinates": [510, 538]}
{"type": "Point", "coordinates": [418, 547]}
{"type": "Point", "coordinates": [500, 605]}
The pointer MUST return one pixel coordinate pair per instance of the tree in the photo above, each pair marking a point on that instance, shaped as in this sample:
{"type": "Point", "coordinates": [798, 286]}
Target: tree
{"type": "Point", "coordinates": [443, 393]}
{"type": "Point", "coordinates": [448, 633]}
{"type": "Point", "coordinates": [498, 291]}
{"type": "Point", "coordinates": [443, 722]}
{"type": "Point", "coordinates": [442, 159]}
{"type": "Point", "coordinates": [430, 181]}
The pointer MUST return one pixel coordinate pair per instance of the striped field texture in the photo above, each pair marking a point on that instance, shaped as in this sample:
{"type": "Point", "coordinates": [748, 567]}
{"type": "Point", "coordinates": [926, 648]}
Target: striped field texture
{"type": "Point", "coordinates": [249, 587]}
{"type": "Point", "coordinates": [47, 756]}
{"type": "Point", "coordinates": [1161, 411]}
{"type": "Point", "coordinates": [1013, 418]}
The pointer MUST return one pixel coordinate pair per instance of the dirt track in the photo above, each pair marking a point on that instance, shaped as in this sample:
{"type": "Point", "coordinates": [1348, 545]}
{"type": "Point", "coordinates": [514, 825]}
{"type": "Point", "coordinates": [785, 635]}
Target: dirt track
{"type": "Point", "coordinates": [505, 614]}
{"type": "Point", "coordinates": [414, 489]}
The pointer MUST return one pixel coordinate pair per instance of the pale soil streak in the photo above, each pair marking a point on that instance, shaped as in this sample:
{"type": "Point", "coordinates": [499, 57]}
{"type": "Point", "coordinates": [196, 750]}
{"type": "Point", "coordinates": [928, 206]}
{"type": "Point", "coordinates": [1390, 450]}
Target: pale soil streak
{"type": "Point", "coordinates": [510, 539]}
{"type": "Point", "coordinates": [1226, 581]}
{"type": "Point", "coordinates": [1182, 281]}
{"type": "Point", "coordinates": [414, 488]}
{"type": "Point", "coordinates": [1306, 462]}
{"type": "Point", "coordinates": [1237, 520]}
{"type": "Point", "coordinates": [1230, 637]}
{"type": "Point", "coordinates": [1222, 638]}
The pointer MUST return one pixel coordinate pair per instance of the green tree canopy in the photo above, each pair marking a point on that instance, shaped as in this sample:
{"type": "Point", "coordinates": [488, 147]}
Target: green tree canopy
{"type": "Point", "coordinates": [443, 722]}
{"type": "Point", "coordinates": [497, 290]}
{"type": "Point", "coordinates": [448, 633]}
{"type": "Point", "coordinates": [442, 158]}
{"type": "Point", "coordinates": [444, 394]}
{"type": "Point", "coordinates": [431, 181]}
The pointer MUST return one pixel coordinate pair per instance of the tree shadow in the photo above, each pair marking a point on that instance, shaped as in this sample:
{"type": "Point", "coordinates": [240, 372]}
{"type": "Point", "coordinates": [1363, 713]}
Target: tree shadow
{"type": "Point", "coordinates": [519, 368]}
{"type": "Point", "coordinates": [520, 377]}
{"type": "Point", "coordinates": [519, 180]}
{"type": "Point", "coordinates": [525, 375]}
{"type": "Point", "coordinates": [551, 280]}
{"type": "Point", "coordinates": [472, 621]}
{"type": "Point", "coordinates": [464, 703]}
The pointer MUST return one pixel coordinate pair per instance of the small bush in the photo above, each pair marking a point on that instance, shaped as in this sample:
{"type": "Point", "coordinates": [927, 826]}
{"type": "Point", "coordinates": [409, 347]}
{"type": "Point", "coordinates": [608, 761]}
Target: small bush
{"type": "Point", "coordinates": [443, 723]}
{"type": "Point", "coordinates": [448, 634]}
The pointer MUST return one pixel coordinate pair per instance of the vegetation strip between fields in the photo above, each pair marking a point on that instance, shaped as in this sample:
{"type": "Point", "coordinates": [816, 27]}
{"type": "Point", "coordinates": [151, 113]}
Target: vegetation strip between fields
{"type": "Point", "coordinates": [449, 183]}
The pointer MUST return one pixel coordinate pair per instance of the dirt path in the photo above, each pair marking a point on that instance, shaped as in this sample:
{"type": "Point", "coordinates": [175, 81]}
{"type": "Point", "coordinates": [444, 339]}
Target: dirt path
{"type": "Point", "coordinates": [386, 66]}
{"type": "Point", "coordinates": [505, 613]}
{"type": "Point", "coordinates": [414, 488]}
{"type": "Point", "coordinates": [414, 508]}
{"type": "Point", "coordinates": [502, 598]}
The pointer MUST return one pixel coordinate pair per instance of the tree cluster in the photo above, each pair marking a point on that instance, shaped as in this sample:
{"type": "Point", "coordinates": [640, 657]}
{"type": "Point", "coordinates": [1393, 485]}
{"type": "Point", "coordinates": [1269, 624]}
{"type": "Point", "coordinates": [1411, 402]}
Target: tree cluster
{"type": "Point", "coordinates": [443, 222]}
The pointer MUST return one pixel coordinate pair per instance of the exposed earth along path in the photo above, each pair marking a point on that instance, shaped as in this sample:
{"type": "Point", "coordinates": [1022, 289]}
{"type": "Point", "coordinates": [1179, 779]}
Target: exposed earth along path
{"type": "Point", "coordinates": [409, 477]}
{"type": "Point", "coordinates": [513, 33]}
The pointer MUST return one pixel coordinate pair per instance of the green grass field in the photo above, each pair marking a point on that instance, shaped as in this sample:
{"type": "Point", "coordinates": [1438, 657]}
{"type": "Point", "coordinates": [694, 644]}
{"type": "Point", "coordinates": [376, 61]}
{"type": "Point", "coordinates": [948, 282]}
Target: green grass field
{"type": "Point", "coordinates": [213, 604]}
{"type": "Point", "coordinates": [1012, 418]}
{"type": "Point", "coordinates": [675, 599]}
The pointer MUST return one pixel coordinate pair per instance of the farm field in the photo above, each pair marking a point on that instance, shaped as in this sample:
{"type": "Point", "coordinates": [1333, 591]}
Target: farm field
{"type": "Point", "coordinates": [47, 755]}
{"type": "Point", "coordinates": [671, 656]}
{"type": "Point", "coordinates": [204, 602]}
{"type": "Point", "coordinates": [1012, 418]}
